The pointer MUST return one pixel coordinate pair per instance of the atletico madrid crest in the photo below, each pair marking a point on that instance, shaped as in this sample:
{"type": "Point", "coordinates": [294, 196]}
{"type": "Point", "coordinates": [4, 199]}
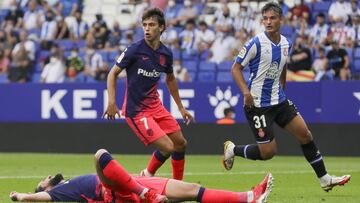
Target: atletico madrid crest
{"type": "Point", "coordinates": [162, 60]}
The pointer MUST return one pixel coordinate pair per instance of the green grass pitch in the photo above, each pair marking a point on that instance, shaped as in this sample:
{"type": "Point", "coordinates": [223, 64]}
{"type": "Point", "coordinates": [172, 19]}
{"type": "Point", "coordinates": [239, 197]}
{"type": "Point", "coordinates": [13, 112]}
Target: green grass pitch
{"type": "Point", "coordinates": [294, 180]}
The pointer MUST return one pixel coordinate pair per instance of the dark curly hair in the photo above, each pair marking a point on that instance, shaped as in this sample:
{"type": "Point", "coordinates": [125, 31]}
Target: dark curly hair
{"type": "Point", "coordinates": [154, 12]}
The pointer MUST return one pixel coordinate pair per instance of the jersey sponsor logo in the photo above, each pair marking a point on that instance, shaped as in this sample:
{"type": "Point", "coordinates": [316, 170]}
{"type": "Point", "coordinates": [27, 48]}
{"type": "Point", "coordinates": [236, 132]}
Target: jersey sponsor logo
{"type": "Point", "coordinates": [242, 52]}
{"type": "Point", "coordinates": [152, 74]}
{"type": "Point", "coordinates": [273, 72]}
{"type": "Point", "coordinates": [222, 100]}
{"type": "Point", "coordinates": [121, 56]}
{"type": "Point", "coordinates": [162, 60]}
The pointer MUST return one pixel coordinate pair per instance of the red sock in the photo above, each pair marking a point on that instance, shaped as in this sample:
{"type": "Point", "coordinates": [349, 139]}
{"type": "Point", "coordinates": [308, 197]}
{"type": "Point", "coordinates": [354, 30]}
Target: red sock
{"type": "Point", "coordinates": [178, 163]}
{"type": "Point", "coordinates": [156, 161]}
{"type": "Point", "coordinates": [121, 179]}
{"type": "Point", "coordinates": [178, 168]}
{"type": "Point", "coordinates": [222, 196]}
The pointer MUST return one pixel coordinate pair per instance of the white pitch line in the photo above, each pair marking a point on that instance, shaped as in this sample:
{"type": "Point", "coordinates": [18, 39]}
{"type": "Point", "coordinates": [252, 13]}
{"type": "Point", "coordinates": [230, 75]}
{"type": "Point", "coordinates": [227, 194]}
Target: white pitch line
{"type": "Point", "coordinates": [202, 173]}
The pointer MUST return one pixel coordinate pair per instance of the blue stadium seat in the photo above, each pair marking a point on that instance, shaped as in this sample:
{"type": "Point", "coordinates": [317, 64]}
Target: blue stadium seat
{"type": "Point", "coordinates": [192, 75]}
{"type": "Point", "coordinates": [3, 78]}
{"type": "Point", "coordinates": [287, 31]}
{"type": "Point", "coordinates": [357, 53]}
{"type": "Point", "coordinates": [176, 54]}
{"type": "Point", "coordinates": [225, 65]}
{"type": "Point", "coordinates": [188, 56]}
{"type": "Point", "coordinates": [80, 44]}
{"type": "Point", "coordinates": [190, 65]}
{"type": "Point", "coordinates": [322, 6]}
{"type": "Point", "coordinates": [67, 45]}
{"type": "Point", "coordinates": [224, 77]}
{"type": "Point", "coordinates": [113, 55]}
{"type": "Point", "coordinates": [35, 78]}
{"type": "Point", "coordinates": [207, 66]}
{"type": "Point", "coordinates": [206, 76]}
{"type": "Point", "coordinates": [204, 55]}
{"type": "Point", "coordinates": [37, 68]}
{"type": "Point", "coordinates": [104, 54]}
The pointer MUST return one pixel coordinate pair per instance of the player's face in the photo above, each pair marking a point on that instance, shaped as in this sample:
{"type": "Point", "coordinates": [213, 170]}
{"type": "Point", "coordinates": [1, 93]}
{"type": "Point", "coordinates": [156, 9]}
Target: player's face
{"type": "Point", "coordinates": [45, 183]}
{"type": "Point", "coordinates": [271, 21]}
{"type": "Point", "coordinates": [152, 29]}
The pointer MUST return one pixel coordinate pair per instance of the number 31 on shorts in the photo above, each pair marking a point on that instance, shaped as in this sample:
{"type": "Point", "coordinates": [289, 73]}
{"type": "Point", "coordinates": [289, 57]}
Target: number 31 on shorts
{"type": "Point", "coordinates": [259, 120]}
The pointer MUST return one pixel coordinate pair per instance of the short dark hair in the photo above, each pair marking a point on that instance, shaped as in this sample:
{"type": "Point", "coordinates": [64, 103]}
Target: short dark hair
{"type": "Point", "coordinates": [154, 12]}
{"type": "Point", "coordinates": [272, 6]}
{"type": "Point", "coordinates": [321, 14]}
{"type": "Point", "coordinates": [228, 110]}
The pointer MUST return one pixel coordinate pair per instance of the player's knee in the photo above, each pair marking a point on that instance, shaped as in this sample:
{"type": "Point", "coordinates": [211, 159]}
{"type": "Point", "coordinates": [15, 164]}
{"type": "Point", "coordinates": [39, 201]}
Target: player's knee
{"type": "Point", "coordinates": [168, 148]}
{"type": "Point", "coordinates": [306, 137]}
{"type": "Point", "coordinates": [99, 153]}
{"type": "Point", "coordinates": [268, 154]}
{"type": "Point", "coordinates": [181, 146]}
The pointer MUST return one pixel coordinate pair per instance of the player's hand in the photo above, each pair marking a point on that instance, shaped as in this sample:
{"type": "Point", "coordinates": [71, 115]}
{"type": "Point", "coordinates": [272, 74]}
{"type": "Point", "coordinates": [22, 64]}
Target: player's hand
{"type": "Point", "coordinates": [186, 116]}
{"type": "Point", "coordinates": [248, 100]}
{"type": "Point", "coordinates": [14, 196]}
{"type": "Point", "coordinates": [111, 111]}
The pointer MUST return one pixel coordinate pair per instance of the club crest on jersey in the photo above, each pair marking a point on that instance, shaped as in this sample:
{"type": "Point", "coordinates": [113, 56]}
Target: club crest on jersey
{"type": "Point", "coordinates": [286, 51]}
{"type": "Point", "coordinates": [162, 60]}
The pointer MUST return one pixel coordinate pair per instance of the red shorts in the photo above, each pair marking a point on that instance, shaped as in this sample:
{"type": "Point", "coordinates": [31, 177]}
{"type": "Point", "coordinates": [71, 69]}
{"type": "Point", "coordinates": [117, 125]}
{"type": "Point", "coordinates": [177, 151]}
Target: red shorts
{"type": "Point", "coordinates": [150, 126]}
{"type": "Point", "coordinates": [156, 183]}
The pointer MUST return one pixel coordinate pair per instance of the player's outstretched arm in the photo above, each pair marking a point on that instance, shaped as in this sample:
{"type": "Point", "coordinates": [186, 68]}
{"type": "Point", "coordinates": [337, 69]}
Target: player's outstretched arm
{"type": "Point", "coordinates": [174, 91]}
{"type": "Point", "coordinates": [112, 109]}
{"type": "Point", "coordinates": [238, 76]}
{"type": "Point", "coordinates": [34, 197]}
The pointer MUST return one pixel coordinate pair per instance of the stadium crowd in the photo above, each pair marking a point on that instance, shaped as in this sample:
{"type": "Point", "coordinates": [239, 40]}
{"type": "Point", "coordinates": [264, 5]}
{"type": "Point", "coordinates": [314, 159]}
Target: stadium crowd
{"type": "Point", "coordinates": [49, 40]}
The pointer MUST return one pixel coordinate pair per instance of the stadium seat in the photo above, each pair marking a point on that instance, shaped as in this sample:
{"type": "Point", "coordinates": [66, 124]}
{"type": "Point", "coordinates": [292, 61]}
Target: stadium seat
{"type": "Point", "coordinates": [3, 78]}
{"type": "Point", "coordinates": [322, 6]}
{"type": "Point", "coordinates": [224, 77]}
{"type": "Point", "coordinates": [188, 56]}
{"type": "Point", "coordinates": [357, 53]}
{"type": "Point", "coordinates": [67, 45]}
{"type": "Point", "coordinates": [176, 54]}
{"type": "Point", "coordinates": [204, 55]}
{"type": "Point", "coordinates": [35, 78]}
{"type": "Point", "coordinates": [225, 65]}
{"type": "Point", "coordinates": [287, 31]}
{"type": "Point", "coordinates": [190, 65]}
{"type": "Point", "coordinates": [206, 76]}
{"type": "Point", "coordinates": [192, 75]}
{"type": "Point", "coordinates": [207, 66]}
{"type": "Point", "coordinates": [113, 55]}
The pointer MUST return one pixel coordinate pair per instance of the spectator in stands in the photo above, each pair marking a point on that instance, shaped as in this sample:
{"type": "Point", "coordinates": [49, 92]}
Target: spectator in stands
{"type": "Point", "coordinates": [139, 10]}
{"type": "Point", "coordinates": [241, 37]}
{"type": "Point", "coordinates": [48, 30]}
{"type": "Point", "coordinates": [320, 66]}
{"type": "Point", "coordinates": [33, 17]}
{"type": "Point", "coordinates": [339, 61]}
{"type": "Point", "coordinates": [14, 18]}
{"type": "Point", "coordinates": [223, 46]}
{"type": "Point", "coordinates": [355, 10]}
{"type": "Point", "coordinates": [95, 67]}
{"type": "Point", "coordinates": [54, 49]}
{"type": "Point", "coordinates": [284, 7]}
{"type": "Point", "coordinates": [4, 62]}
{"type": "Point", "coordinates": [356, 26]}
{"type": "Point", "coordinates": [180, 72]}
{"type": "Point", "coordinates": [28, 44]}
{"type": "Point", "coordinates": [243, 19]}
{"type": "Point", "coordinates": [127, 40]}
{"type": "Point", "coordinates": [170, 38]}
{"type": "Point", "coordinates": [77, 27]}
{"type": "Point", "coordinates": [224, 20]}
{"type": "Point", "coordinates": [171, 13]}
{"type": "Point", "coordinates": [339, 11]}
{"type": "Point", "coordinates": [300, 57]}
{"type": "Point", "coordinates": [204, 37]}
{"type": "Point", "coordinates": [20, 66]}
{"type": "Point", "coordinates": [62, 28]}
{"type": "Point", "coordinates": [187, 38]}
{"type": "Point", "coordinates": [5, 43]}
{"type": "Point", "coordinates": [187, 12]}
{"type": "Point", "coordinates": [229, 117]}
{"type": "Point", "coordinates": [54, 72]}
{"type": "Point", "coordinates": [343, 34]}
{"type": "Point", "coordinates": [97, 36]}
{"type": "Point", "coordinates": [300, 10]}
{"type": "Point", "coordinates": [319, 32]}
{"type": "Point", "coordinates": [74, 65]}
{"type": "Point", "coordinates": [114, 39]}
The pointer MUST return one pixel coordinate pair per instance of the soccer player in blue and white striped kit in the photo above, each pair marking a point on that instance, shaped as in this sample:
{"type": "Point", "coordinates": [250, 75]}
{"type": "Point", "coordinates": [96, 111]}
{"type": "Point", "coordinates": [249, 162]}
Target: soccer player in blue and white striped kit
{"type": "Point", "coordinates": [265, 101]}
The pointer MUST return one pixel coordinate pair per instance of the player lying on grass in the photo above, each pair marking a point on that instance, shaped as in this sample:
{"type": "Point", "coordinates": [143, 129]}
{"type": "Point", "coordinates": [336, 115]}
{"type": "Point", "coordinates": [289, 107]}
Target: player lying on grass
{"type": "Point", "coordinates": [114, 184]}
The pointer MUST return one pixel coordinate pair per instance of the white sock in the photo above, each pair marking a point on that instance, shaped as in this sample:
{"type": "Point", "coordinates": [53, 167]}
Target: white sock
{"type": "Point", "coordinates": [142, 195]}
{"type": "Point", "coordinates": [325, 179]}
{"type": "Point", "coordinates": [147, 173]}
{"type": "Point", "coordinates": [250, 196]}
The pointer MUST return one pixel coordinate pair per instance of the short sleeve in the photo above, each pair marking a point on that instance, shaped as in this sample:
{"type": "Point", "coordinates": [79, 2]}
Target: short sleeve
{"type": "Point", "coordinates": [126, 58]}
{"type": "Point", "coordinates": [247, 53]}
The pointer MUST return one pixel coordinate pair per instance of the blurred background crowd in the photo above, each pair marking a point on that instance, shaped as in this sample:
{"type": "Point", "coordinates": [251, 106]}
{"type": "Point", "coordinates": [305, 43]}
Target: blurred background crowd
{"type": "Point", "coordinates": [56, 41]}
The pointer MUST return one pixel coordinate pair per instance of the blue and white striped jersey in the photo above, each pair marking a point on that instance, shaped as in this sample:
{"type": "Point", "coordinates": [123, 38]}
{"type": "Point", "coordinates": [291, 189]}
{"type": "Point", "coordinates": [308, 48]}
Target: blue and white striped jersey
{"type": "Point", "coordinates": [266, 61]}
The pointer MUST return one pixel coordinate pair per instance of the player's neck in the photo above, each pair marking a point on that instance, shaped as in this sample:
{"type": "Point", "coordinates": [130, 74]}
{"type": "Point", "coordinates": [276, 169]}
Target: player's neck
{"type": "Point", "coordinates": [273, 36]}
{"type": "Point", "coordinates": [155, 44]}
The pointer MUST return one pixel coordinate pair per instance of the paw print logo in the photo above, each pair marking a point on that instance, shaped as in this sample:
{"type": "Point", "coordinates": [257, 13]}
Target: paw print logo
{"type": "Point", "coordinates": [222, 100]}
